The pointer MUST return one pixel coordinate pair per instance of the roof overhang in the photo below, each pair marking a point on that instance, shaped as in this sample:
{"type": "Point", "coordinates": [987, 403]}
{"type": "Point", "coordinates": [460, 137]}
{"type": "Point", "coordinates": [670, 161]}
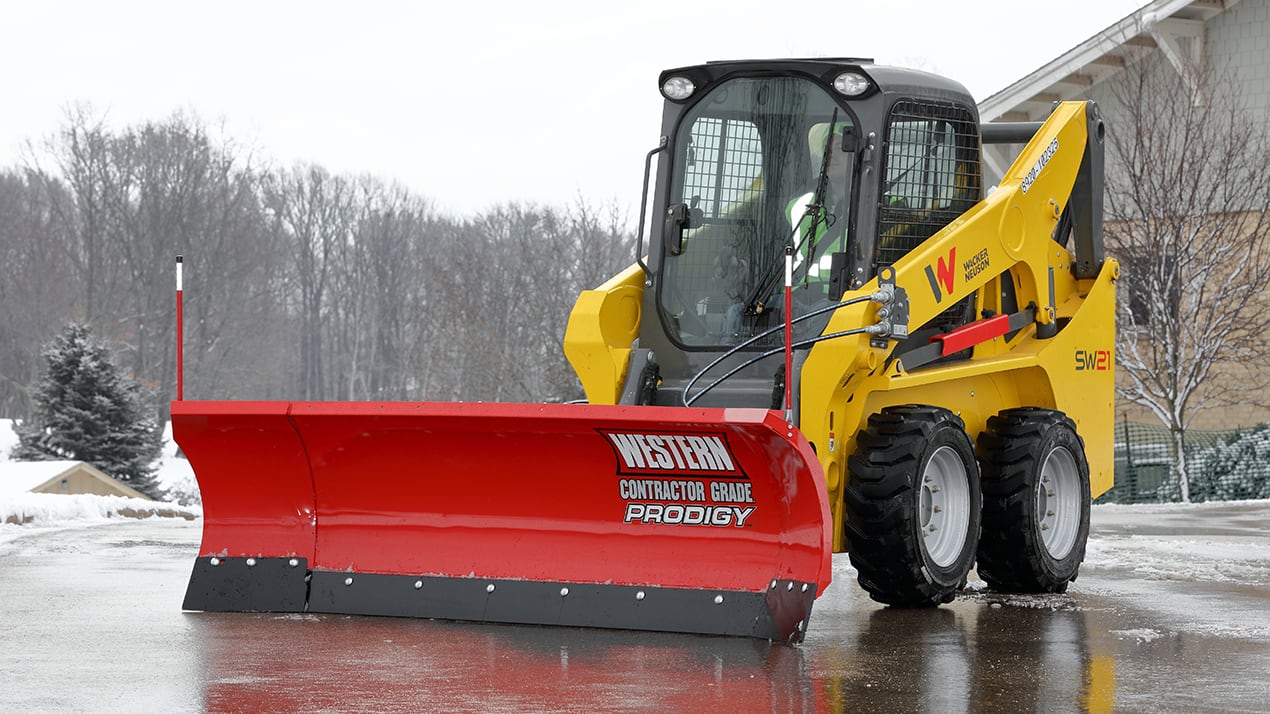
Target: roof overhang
{"type": "Point", "coordinates": [1175, 27]}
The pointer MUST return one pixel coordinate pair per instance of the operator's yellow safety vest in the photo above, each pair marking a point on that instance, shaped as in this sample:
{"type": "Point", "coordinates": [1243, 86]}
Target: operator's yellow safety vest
{"type": "Point", "coordinates": [796, 212]}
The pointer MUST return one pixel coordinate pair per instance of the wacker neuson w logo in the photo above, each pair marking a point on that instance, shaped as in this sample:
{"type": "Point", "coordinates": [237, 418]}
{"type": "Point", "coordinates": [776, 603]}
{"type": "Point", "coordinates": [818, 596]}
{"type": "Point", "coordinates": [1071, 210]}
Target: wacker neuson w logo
{"type": "Point", "coordinates": [673, 454]}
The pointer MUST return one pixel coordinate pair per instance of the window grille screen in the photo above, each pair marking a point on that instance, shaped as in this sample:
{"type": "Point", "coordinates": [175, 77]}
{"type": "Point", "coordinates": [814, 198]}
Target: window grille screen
{"type": "Point", "coordinates": [931, 174]}
{"type": "Point", "coordinates": [724, 163]}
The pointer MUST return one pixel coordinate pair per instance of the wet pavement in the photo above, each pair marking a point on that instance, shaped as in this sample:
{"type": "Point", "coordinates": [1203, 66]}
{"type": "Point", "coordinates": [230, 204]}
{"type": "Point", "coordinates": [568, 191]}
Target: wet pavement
{"type": "Point", "coordinates": [1171, 613]}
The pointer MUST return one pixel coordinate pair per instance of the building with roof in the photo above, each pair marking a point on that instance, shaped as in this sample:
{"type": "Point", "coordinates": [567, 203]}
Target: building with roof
{"type": "Point", "coordinates": [1184, 33]}
{"type": "Point", "coordinates": [64, 477]}
{"type": "Point", "coordinates": [1231, 38]}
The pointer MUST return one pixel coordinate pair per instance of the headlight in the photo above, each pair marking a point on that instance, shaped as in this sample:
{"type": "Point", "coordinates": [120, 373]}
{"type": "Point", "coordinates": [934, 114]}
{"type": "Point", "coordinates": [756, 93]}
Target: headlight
{"type": "Point", "coordinates": [678, 88]}
{"type": "Point", "coordinates": [851, 84]}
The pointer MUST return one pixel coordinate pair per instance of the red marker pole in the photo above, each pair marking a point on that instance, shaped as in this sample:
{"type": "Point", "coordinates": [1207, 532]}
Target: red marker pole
{"type": "Point", "coordinates": [789, 334]}
{"type": "Point", "coordinates": [180, 327]}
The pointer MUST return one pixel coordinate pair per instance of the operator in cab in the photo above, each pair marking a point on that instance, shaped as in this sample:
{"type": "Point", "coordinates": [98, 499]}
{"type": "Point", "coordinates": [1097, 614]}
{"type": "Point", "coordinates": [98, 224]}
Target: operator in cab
{"type": "Point", "coordinates": [821, 228]}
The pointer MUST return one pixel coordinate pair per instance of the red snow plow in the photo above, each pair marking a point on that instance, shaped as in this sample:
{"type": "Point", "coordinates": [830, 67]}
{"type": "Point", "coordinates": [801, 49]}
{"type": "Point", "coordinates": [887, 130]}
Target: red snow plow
{"type": "Point", "coordinates": [686, 520]}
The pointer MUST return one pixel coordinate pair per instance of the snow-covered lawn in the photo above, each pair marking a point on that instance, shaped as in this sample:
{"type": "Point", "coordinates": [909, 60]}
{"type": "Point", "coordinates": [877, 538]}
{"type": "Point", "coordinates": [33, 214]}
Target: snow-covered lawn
{"type": "Point", "coordinates": [59, 510]}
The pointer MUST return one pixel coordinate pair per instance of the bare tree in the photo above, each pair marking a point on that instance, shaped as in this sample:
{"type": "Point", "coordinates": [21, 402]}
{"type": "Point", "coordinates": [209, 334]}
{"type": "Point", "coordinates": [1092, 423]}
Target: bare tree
{"type": "Point", "coordinates": [487, 277]}
{"type": "Point", "coordinates": [82, 152]}
{"type": "Point", "coordinates": [299, 284]}
{"type": "Point", "coordinates": [509, 280]}
{"type": "Point", "coordinates": [142, 195]}
{"type": "Point", "coordinates": [376, 292]}
{"type": "Point", "coordinates": [235, 287]}
{"type": "Point", "coordinates": [1188, 209]}
{"type": "Point", "coordinates": [312, 212]}
{"type": "Point", "coordinates": [34, 297]}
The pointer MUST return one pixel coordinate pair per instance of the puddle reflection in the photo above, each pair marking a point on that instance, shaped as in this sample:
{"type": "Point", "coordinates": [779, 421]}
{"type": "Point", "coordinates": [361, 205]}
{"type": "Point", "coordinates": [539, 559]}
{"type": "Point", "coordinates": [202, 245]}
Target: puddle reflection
{"type": "Point", "coordinates": [971, 656]}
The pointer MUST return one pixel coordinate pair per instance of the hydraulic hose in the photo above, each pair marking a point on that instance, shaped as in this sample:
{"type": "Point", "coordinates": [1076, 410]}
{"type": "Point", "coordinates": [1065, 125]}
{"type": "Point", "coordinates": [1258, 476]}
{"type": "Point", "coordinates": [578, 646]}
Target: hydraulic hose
{"type": "Point", "coordinates": [878, 296]}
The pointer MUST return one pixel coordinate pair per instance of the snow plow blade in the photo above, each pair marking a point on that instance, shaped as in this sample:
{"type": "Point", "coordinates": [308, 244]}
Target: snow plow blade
{"type": "Point", "coordinates": [709, 521]}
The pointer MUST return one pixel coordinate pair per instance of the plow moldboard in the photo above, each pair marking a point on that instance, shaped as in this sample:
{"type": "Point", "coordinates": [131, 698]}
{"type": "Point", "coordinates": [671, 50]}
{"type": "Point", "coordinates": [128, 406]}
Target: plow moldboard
{"type": "Point", "coordinates": [689, 520]}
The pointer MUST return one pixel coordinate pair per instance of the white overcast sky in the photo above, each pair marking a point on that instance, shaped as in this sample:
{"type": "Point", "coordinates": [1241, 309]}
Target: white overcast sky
{"type": "Point", "coordinates": [472, 103]}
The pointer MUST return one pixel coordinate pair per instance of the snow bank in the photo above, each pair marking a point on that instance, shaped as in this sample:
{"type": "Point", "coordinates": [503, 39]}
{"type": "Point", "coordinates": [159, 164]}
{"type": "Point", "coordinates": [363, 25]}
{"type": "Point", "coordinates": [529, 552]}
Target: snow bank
{"type": "Point", "coordinates": [1214, 559]}
{"type": "Point", "coordinates": [1172, 507]}
{"type": "Point", "coordinates": [24, 514]}
{"type": "Point", "coordinates": [1213, 542]}
{"type": "Point", "coordinates": [21, 510]}
{"type": "Point", "coordinates": [49, 508]}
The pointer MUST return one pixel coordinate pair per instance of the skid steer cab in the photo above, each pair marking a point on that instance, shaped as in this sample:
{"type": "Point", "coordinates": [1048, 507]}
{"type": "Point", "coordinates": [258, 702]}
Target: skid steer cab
{"type": "Point", "coordinates": [832, 339]}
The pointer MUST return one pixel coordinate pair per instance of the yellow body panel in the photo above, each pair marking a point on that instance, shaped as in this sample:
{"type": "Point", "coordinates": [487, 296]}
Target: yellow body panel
{"type": "Point", "coordinates": [1006, 236]}
{"type": "Point", "coordinates": [603, 324]}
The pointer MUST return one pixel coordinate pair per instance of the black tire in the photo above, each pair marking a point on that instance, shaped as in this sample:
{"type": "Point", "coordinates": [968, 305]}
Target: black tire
{"type": "Point", "coordinates": [913, 546]}
{"type": "Point", "coordinates": [1035, 501]}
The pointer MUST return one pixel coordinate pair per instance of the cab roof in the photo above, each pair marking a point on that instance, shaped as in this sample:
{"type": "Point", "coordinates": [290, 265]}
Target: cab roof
{"type": "Point", "coordinates": [887, 79]}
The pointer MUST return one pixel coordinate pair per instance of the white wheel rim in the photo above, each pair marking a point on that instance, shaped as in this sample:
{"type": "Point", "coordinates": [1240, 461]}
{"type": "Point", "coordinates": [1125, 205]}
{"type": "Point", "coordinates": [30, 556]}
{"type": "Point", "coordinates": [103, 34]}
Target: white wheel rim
{"type": "Point", "coordinates": [944, 506]}
{"type": "Point", "coordinates": [1058, 501]}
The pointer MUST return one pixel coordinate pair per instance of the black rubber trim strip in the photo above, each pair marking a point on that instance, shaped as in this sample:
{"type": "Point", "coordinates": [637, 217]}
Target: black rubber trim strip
{"type": "Point", "coordinates": [779, 613]}
{"type": "Point", "coordinates": [247, 585]}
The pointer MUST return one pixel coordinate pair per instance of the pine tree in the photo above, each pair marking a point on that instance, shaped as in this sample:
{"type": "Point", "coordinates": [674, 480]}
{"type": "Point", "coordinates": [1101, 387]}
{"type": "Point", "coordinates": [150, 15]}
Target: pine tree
{"type": "Point", "coordinates": [86, 409]}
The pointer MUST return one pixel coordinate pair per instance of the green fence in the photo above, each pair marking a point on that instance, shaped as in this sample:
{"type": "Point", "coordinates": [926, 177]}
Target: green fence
{"type": "Point", "coordinates": [1221, 465]}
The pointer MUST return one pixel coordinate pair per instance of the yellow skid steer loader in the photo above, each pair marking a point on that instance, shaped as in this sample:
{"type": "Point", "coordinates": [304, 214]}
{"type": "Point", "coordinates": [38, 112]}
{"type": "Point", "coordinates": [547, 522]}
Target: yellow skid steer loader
{"type": "Point", "coordinates": [834, 340]}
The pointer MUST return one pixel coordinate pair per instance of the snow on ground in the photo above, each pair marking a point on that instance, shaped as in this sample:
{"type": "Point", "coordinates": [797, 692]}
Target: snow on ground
{"type": "Point", "coordinates": [1209, 559]}
{"type": "Point", "coordinates": [175, 473]}
{"type": "Point", "coordinates": [21, 512]}
{"type": "Point", "coordinates": [24, 514]}
{"type": "Point", "coordinates": [1214, 542]}
{"type": "Point", "coordinates": [1141, 634]}
{"type": "Point", "coordinates": [58, 508]}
